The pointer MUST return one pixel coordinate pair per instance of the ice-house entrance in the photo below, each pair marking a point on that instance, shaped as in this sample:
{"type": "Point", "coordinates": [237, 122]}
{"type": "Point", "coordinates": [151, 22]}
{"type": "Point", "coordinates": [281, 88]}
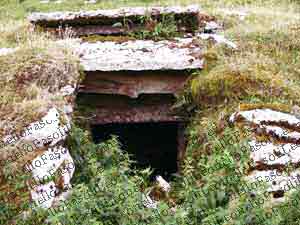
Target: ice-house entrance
{"type": "Point", "coordinates": [151, 144]}
{"type": "Point", "coordinates": [145, 126]}
{"type": "Point", "coordinates": [130, 85]}
{"type": "Point", "coordinates": [129, 90]}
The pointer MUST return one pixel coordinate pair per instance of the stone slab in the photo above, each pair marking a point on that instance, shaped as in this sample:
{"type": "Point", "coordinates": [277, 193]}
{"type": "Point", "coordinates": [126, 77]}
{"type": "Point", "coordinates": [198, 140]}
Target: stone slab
{"type": "Point", "coordinates": [139, 55]}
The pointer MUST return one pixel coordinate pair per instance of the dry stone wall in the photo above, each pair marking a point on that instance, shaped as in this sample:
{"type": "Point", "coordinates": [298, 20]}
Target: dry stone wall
{"type": "Point", "coordinates": [275, 147]}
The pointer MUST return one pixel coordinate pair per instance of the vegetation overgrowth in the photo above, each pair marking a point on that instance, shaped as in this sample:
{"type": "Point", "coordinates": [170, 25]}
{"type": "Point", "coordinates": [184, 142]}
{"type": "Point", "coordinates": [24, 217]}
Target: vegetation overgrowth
{"type": "Point", "coordinates": [264, 70]}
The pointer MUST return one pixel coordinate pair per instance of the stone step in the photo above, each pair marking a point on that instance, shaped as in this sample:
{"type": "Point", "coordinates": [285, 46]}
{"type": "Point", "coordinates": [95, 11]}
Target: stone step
{"type": "Point", "coordinates": [117, 21]}
{"type": "Point", "coordinates": [138, 67]}
{"type": "Point", "coordinates": [140, 55]}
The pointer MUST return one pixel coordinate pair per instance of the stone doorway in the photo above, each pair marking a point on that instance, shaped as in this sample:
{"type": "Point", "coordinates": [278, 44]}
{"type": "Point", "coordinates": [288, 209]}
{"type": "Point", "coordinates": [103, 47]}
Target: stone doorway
{"type": "Point", "coordinates": [153, 144]}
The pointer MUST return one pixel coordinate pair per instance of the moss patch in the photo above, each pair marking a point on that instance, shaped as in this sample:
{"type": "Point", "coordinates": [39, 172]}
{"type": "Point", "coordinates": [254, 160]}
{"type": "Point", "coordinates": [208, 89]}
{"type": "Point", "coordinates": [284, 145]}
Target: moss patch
{"type": "Point", "coordinates": [117, 39]}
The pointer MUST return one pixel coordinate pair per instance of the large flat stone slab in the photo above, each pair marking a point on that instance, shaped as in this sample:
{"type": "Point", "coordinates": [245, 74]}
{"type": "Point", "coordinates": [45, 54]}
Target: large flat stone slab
{"type": "Point", "coordinates": [180, 54]}
{"type": "Point", "coordinates": [116, 21]}
{"type": "Point", "coordinates": [108, 16]}
{"type": "Point", "coordinates": [108, 109]}
{"type": "Point", "coordinates": [134, 83]}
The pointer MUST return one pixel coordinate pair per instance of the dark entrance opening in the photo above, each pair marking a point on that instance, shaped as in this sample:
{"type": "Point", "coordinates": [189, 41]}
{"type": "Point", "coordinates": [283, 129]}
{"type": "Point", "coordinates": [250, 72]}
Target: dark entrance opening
{"type": "Point", "coordinates": [152, 145]}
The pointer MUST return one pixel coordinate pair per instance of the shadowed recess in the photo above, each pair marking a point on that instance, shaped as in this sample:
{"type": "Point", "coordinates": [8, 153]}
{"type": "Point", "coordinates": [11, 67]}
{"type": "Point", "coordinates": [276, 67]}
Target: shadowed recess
{"type": "Point", "coordinates": [149, 144]}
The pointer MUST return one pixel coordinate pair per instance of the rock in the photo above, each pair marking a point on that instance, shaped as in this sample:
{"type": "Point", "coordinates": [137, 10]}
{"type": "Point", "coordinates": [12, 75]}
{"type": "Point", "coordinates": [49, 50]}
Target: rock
{"type": "Point", "coordinates": [258, 116]}
{"type": "Point", "coordinates": [55, 192]}
{"type": "Point", "coordinates": [91, 2]}
{"type": "Point", "coordinates": [68, 109]}
{"type": "Point", "coordinates": [156, 193]}
{"type": "Point", "coordinates": [211, 27]}
{"type": "Point", "coordinates": [241, 14]}
{"type": "Point", "coordinates": [44, 194]}
{"type": "Point", "coordinates": [270, 154]}
{"type": "Point", "coordinates": [148, 202]}
{"type": "Point", "coordinates": [54, 160]}
{"type": "Point", "coordinates": [277, 180]}
{"type": "Point", "coordinates": [6, 51]}
{"type": "Point", "coordinates": [296, 111]}
{"type": "Point", "coordinates": [102, 21]}
{"type": "Point", "coordinates": [163, 183]}
{"type": "Point", "coordinates": [139, 55]}
{"type": "Point", "coordinates": [279, 149]}
{"type": "Point", "coordinates": [46, 136]}
{"type": "Point", "coordinates": [219, 39]}
{"type": "Point", "coordinates": [108, 14]}
{"type": "Point", "coordinates": [67, 90]}
{"type": "Point", "coordinates": [46, 132]}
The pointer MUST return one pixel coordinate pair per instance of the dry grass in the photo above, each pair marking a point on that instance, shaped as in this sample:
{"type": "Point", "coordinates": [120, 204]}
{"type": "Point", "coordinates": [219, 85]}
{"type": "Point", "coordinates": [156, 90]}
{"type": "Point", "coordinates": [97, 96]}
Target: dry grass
{"type": "Point", "coordinates": [262, 72]}
{"type": "Point", "coordinates": [30, 80]}
{"type": "Point", "coordinates": [265, 68]}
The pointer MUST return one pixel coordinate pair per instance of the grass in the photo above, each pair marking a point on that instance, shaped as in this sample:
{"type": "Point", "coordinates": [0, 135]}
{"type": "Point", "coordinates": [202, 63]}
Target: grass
{"type": "Point", "coordinates": [30, 81]}
{"type": "Point", "coordinates": [32, 76]}
{"type": "Point", "coordinates": [14, 26]}
{"type": "Point", "coordinates": [262, 72]}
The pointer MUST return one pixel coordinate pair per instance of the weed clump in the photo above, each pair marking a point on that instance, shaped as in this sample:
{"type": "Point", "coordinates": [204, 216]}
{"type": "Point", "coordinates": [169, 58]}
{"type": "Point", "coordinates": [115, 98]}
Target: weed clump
{"type": "Point", "coordinates": [165, 28]}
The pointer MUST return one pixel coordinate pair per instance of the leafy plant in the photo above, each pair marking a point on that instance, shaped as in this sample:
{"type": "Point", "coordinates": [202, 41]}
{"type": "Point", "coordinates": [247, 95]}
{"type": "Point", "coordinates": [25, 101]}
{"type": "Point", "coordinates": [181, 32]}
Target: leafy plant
{"type": "Point", "coordinates": [157, 29]}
